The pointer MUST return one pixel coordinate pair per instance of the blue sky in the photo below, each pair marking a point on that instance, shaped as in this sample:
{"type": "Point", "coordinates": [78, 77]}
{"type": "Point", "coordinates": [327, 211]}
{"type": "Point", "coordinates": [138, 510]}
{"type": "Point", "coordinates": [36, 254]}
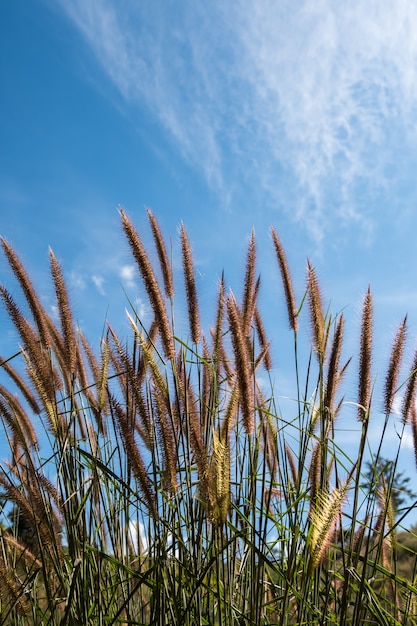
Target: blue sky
{"type": "Point", "coordinates": [225, 116]}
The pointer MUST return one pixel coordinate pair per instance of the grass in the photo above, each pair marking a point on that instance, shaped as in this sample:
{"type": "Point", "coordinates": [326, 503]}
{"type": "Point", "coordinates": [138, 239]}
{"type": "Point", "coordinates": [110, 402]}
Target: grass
{"type": "Point", "coordinates": [172, 489]}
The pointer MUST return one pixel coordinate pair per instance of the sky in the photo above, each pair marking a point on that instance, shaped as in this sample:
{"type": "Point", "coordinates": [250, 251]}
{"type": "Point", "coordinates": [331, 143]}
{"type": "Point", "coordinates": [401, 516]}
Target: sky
{"type": "Point", "coordinates": [229, 116]}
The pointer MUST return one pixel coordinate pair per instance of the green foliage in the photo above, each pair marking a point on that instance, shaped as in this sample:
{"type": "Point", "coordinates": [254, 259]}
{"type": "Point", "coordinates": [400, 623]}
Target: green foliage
{"type": "Point", "coordinates": [401, 492]}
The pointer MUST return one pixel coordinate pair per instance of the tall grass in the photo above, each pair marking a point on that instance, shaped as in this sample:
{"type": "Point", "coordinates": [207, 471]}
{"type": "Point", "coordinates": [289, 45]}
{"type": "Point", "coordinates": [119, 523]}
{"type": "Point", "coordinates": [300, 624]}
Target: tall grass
{"type": "Point", "coordinates": [171, 487]}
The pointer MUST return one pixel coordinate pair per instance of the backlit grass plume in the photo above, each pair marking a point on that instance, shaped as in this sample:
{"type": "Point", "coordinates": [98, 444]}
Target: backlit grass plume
{"type": "Point", "coordinates": [408, 405]}
{"type": "Point", "coordinates": [391, 381]}
{"type": "Point", "coordinates": [316, 311]}
{"type": "Point", "coordinates": [324, 514]}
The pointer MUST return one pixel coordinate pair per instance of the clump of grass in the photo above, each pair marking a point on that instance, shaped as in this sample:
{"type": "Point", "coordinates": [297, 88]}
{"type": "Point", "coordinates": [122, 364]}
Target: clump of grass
{"type": "Point", "coordinates": [149, 480]}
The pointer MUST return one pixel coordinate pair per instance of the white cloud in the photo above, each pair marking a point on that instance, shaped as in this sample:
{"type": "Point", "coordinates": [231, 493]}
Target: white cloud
{"type": "Point", "coordinates": [77, 281]}
{"type": "Point", "coordinates": [137, 537]}
{"type": "Point", "coordinates": [318, 96]}
{"type": "Point", "coordinates": [127, 274]}
{"type": "Point", "coordinates": [142, 309]}
{"type": "Point", "coordinates": [99, 282]}
{"type": "Point", "coordinates": [54, 312]}
{"type": "Point", "coordinates": [397, 405]}
{"type": "Point", "coordinates": [407, 440]}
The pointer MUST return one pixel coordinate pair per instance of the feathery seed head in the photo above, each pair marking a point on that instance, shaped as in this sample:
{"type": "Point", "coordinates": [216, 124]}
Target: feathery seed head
{"type": "Point", "coordinates": [323, 517]}
{"type": "Point", "coordinates": [190, 286]}
{"type": "Point", "coordinates": [316, 311]}
{"type": "Point", "coordinates": [219, 484]}
{"type": "Point", "coordinates": [162, 255]}
{"type": "Point", "coordinates": [151, 285]}
{"type": "Point", "coordinates": [133, 455]}
{"type": "Point", "coordinates": [365, 359]}
{"type": "Point", "coordinates": [67, 324]}
{"type": "Point", "coordinates": [217, 333]}
{"type": "Point", "coordinates": [413, 422]}
{"type": "Point", "coordinates": [333, 374]}
{"type": "Point", "coordinates": [286, 279]}
{"type": "Point", "coordinates": [249, 294]}
{"type": "Point", "coordinates": [409, 400]}
{"type": "Point", "coordinates": [242, 360]}
{"type": "Point", "coordinates": [35, 306]}
{"type": "Point", "coordinates": [391, 380]}
{"type": "Point", "coordinates": [263, 341]}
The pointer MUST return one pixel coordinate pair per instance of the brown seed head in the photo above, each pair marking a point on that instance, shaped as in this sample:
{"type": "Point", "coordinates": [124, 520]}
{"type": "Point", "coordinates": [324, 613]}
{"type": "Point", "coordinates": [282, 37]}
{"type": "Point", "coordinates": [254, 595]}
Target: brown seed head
{"type": "Point", "coordinates": [413, 422]}
{"type": "Point", "coordinates": [162, 255]}
{"type": "Point", "coordinates": [323, 517]}
{"type": "Point", "coordinates": [21, 385]}
{"type": "Point", "coordinates": [167, 440]}
{"type": "Point", "coordinates": [190, 286]}
{"type": "Point", "coordinates": [219, 483]}
{"type": "Point", "coordinates": [249, 294]}
{"type": "Point", "coordinates": [397, 352]}
{"type": "Point", "coordinates": [409, 400]}
{"type": "Point", "coordinates": [230, 412]}
{"type": "Point", "coordinates": [316, 311]}
{"type": "Point", "coordinates": [242, 360]}
{"type": "Point", "coordinates": [365, 359]}
{"type": "Point", "coordinates": [19, 422]}
{"type": "Point", "coordinates": [218, 330]}
{"type": "Point", "coordinates": [263, 341]}
{"type": "Point", "coordinates": [137, 465]}
{"type": "Point", "coordinates": [333, 374]}
{"type": "Point", "coordinates": [286, 279]}
{"type": "Point", "coordinates": [35, 355]}
{"type": "Point", "coordinates": [151, 285]}
{"type": "Point", "coordinates": [35, 306]}
{"type": "Point", "coordinates": [67, 324]}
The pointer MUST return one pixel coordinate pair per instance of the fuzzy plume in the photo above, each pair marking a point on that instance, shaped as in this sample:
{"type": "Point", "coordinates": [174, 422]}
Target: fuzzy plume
{"type": "Point", "coordinates": [162, 255]}
{"type": "Point", "coordinates": [38, 312]}
{"type": "Point", "coordinates": [408, 406]}
{"type": "Point", "coordinates": [365, 359]}
{"type": "Point", "coordinates": [167, 439]}
{"type": "Point", "coordinates": [286, 280]}
{"type": "Point", "coordinates": [413, 422]}
{"type": "Point", "coordinates": [323, 518]}
{"type": "Point", "coordinates": [190, 286]}
{"type": "Point", "coordinates": [219, 483]}
{"type": "Point", "coordinates": [151, 286]}
{"type": "Point", "coordinates": [263, 341]}
{"type": "Point", "coordinates": [397, 352]}
{"type": "Point", "coordinates": [242, 361]}
{"type": "Point", "coordinates": [249, 294]}
{"type": "Point", "coordinates": [316, 312]}
{"type": "Point", "coordinates": [67, 324]}
{"type": "Point", "coordinates": [21, 384]}
{"type": "Point", "coordinates": [333, 374]}
{"type": "Point", "coordinates": [133, 454]}
{"type": "Point", "coordinates": [13, 413]}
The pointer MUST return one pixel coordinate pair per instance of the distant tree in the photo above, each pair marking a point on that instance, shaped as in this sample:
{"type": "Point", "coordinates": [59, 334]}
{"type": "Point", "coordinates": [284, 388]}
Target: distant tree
{"type": "Point", "coordinates": [406, 553]}
{"type": "Point", "coordinates": [398, 482]}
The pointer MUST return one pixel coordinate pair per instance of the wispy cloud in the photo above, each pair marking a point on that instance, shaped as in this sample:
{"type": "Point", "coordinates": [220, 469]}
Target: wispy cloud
{"type": "Point", "coordinates": [99, 283]}
{"type": "Point", "coordinates": [76, 281]}
{"type": "Point", "coordinates": [127, 274]}
{"type": "Point", "coordinates": [319, 97]}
